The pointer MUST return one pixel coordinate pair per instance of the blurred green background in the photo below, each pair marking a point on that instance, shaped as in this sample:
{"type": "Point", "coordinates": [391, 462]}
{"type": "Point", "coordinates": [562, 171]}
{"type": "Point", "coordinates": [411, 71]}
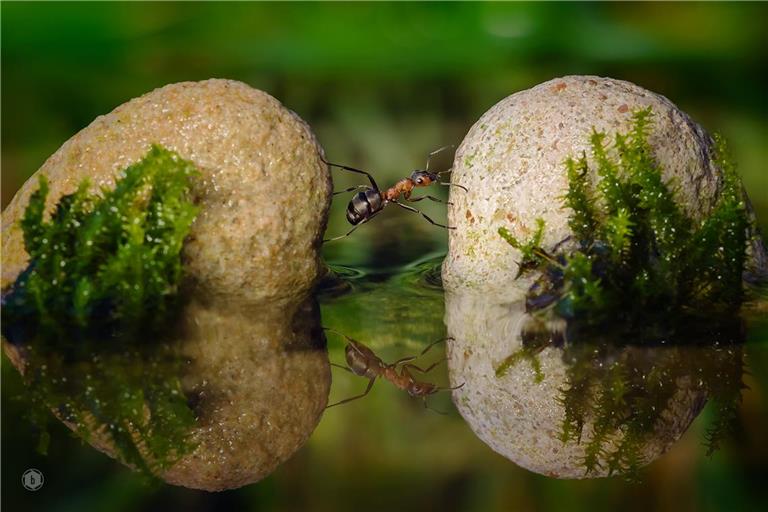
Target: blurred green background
{"type": "Point", "coordinates": [382, 85]}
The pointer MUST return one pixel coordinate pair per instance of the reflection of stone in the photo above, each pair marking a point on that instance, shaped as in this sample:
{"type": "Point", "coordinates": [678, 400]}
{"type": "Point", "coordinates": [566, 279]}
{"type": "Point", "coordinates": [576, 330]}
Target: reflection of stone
{"type": "Point", "coordinates": [521, 416]}
{"type": "Point", "coordinates": [258, 382]}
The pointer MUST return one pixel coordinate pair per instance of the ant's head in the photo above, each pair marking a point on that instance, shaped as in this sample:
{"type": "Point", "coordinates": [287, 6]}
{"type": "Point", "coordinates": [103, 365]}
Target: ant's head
{"type": "Point", "coordinates": [422, 389]}
{"type": "Point", "coordinates": [423, 178]}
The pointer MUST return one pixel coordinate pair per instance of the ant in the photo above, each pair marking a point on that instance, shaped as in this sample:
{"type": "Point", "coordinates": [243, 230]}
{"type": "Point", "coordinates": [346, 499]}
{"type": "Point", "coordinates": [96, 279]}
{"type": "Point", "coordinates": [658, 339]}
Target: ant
{"type": "Point", "coordinates": [367, 203]}
{"type": "Point", "coordinates": [363, 362]}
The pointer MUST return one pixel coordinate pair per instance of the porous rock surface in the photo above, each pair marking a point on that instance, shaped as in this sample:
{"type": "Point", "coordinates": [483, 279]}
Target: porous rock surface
{"type": "Point", "coordinates": [512, 163]}
{"type": "Point", "coordinates": [520, 417]}
{"type": "Point", "coordinates": [257, 361]}
{"type": "Point", "coordinates": [264, 191]}
{"type": "Point", "coordinates": [259, 389]}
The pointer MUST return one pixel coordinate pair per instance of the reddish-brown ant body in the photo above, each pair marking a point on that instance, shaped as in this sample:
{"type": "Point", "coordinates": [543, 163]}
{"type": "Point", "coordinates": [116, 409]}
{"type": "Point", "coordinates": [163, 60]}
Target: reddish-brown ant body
{"type": "Point", "coordinates": [362, 361]}
{"type": "Point", "coordinates": [367, 203]}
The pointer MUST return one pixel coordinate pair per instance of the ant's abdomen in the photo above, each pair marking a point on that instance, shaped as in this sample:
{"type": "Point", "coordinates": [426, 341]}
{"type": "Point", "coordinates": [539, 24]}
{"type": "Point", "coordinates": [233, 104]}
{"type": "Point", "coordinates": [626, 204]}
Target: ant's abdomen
{"type": "Point", "coordinates": [363, 205]}
{"type": "Point", "coordinates": [361, 361]}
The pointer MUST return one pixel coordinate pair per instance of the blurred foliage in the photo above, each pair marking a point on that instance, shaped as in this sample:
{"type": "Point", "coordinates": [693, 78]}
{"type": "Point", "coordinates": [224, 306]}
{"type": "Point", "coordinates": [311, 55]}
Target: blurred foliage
{"type": "Point", "coordinates": [382, 85]}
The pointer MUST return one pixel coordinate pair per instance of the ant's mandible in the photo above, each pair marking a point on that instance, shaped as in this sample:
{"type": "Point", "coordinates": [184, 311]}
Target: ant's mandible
{"type": "Point", "coordinates": [362, 361]}
{"type": "Point", "coordinates": [371, 200]}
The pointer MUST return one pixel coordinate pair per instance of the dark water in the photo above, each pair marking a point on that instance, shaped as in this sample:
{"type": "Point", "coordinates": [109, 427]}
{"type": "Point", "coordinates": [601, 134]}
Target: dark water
{"type": "Point", "coordinates": [671, 422]}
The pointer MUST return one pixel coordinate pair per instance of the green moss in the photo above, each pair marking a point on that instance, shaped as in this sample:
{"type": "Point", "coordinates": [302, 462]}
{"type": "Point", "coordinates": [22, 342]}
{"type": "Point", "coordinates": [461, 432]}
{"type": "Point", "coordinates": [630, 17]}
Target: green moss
{"type": "Point", "coordinates": [90, 311]}
{"type": "Point", "coordinates": [634, 252]}
{"type": "Point", "coordinates": [638, 271]}
{"type": "Point", "coordinates": [105, 262]}
{"type": "Point", "coordinates": [533, 255]}
{"type": "Point", "coordinates": [131, 399]}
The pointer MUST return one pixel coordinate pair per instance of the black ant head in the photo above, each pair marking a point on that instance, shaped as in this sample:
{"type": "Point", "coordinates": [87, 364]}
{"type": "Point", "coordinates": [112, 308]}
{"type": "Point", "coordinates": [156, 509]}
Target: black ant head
{"type": "Point", "coordinates": [423, 178]}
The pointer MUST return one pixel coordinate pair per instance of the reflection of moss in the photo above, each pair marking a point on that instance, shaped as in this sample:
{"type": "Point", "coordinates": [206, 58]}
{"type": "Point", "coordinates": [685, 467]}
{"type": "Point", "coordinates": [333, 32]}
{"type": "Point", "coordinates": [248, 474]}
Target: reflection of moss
{"type": "Point", "coordinates": [628, 394]}
{"type": "Point", "coordinates": [634, 251]}
{"type": "Point", "coordinates": [132, 400]}
{"type": "Point", "coordinates": [88, 312]}
{"type": "Point", "coordinates": [534, 341]}
{"type": "Point", "coordinates": [524, 354]}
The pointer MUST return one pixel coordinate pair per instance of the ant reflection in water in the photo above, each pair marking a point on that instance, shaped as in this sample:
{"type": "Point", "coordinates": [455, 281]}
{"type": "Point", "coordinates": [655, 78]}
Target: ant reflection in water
{"type": "Point", "coordinates": [363, 362]}
{"type": "Point", "coordinates": [371, 200]}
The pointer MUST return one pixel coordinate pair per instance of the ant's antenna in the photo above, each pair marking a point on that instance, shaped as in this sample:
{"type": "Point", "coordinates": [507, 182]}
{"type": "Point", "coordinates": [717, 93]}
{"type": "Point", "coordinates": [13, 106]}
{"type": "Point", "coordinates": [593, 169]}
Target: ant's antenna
{"type": "Point", "coordinates": [426, 406]}
{"type": "Point", "coordinates": [437, 152]}
{"type": "Point", "coordinates": [429, 160]}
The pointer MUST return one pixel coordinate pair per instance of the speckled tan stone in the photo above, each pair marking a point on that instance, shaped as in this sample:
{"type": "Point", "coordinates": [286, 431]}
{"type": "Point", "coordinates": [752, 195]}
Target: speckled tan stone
{"type": "Point", "coordinates": [264, 192]}
{"type": "Point", "coordinates": [518, 417]}
{"type": "Point", "coordinates": [251, 258]}
{"type": "Point", "coordinates": [257, 389]}
{"type": "Point", "coordinates": [260, 389]}
{"type": "Point", "coordinates": [512, 163]}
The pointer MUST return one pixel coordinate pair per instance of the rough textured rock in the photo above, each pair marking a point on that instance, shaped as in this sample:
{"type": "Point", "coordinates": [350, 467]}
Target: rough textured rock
{"type": "Point", "coordinates": [260, 388]}
{"type": "Point", "coordinates": [519, 417]}
{"type": "Point", "coordinates": [264, 190]}
{"type": "Point", "coordinates": [512, 163]}
{"type": "Point", "coordinates": [252, 256]}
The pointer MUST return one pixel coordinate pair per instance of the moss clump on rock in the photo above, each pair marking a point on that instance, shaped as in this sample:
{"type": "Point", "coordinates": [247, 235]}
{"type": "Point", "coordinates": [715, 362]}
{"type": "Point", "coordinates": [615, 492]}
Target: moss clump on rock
{"type": "Point", "coordinates": [104, 268]}
{"type": "Point", "coordinates": [103, 263]}
{"type": "Point", "coordinates": [636, 270]}
{"type": "Point", "coordinates": [249, 262]}
{"type": "Point", "coordinates": [633, 251]}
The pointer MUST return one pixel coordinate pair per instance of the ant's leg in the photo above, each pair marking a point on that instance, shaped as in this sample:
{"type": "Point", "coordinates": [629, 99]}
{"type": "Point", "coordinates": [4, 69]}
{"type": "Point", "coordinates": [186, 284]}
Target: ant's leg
{"type": "Point", "coordinates": [431, 198]}
{"type": "Point", "coordinates": [404, 360]}
{"type": "Point", "coordinates": [350, 232]}
{"type": "Point", "coordinates": [424, 370]}
{"type": "Point", "coordinates": [370, 385]}
{"type": "Point", "coordinates": [455, 185]}
{"type": "Point", "coordinates": [426, 349]}
{"type": "Point", "coordinates": [431, 409]}
{"type": "Point", "coordinates": [451, 389]}
{"type": "Point", "coordinates": [401, 205]}
{"type": "Point", "coordinates": [560, 243]}
{"type": "Point", "coordinates": [436, 152]}
{"type": "Point", "coordinates": [350, 189]}
{"type": "Point", "coordinates": [334, 331]}
{"type": "Point", "coordinates": [435, 343]}
{"type": "Point", "coordinates": [342, 367]}
{"type": "Point", "coordinates": [411, 358]}
{"type": "Point", "coordinates": [344, 235]}
{"type": "Point", "coordinates": [352, 169]}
